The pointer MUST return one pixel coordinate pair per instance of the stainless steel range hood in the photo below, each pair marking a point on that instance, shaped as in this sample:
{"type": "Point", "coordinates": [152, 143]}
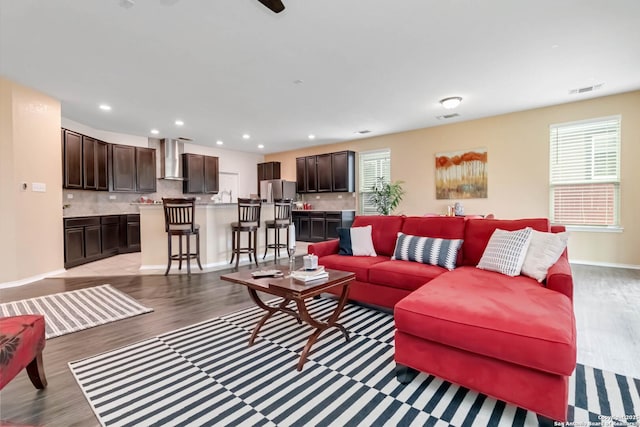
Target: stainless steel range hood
{"type": "Point", "coordinates": [171, 166]}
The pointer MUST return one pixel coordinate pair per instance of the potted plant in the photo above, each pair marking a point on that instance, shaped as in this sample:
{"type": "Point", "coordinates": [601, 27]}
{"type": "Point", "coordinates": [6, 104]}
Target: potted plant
{"type": "Point", "coordinates": [386, 196]}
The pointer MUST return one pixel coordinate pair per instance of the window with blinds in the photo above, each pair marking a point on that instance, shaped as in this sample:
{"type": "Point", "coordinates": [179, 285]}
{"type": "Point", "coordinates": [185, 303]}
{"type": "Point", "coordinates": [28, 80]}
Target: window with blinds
{"type": "Point", "coordinates": [372, 165]}
{"type": "Point", "coordinates": [585, 172]}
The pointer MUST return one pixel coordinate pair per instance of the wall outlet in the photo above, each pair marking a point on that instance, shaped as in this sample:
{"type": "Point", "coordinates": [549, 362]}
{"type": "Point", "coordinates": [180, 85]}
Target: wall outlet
{"type": "Point", "coordinates": [339, 196]}
{"type": "Point", "coordinates": [317, 197]}
{"type": "Point", "coordinates": [112, 197]}
{"type": "Point", "coordinates": [198, 198]}
{"type": "Point", "coordinates": [69, 196]}
{"type": "Point", "coordinates": [39, 187]}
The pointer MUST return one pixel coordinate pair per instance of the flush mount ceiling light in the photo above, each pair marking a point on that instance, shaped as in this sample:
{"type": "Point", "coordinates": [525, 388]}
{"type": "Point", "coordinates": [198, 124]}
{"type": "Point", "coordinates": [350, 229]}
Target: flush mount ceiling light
{"type": "Point", "coordinates": [451, 102]}
{"type": "Point", "coordinates": [179, 122]}
{"type": "Point", "coordinates": [219, 142]}
{"type": "Point", "coordinates": [246, 136]}
{"type": "Point", "coordinates": [155, 131]}
{"type": "Point", "coordinates": [312, 136]}
{"type": "Point", "coordinates": [105, 107]}
{"type": "Point", "coordinates": [261, 146]}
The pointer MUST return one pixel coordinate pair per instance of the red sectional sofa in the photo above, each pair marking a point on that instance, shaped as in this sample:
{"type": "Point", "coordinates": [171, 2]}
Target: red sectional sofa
{"type": "Point", "coordinates": [511, 338]}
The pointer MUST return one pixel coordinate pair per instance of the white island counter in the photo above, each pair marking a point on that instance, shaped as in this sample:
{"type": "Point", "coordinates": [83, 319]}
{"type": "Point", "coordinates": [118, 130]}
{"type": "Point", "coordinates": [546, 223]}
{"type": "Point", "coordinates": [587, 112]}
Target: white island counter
{"type": "Point", "coordinates": [215, 235]}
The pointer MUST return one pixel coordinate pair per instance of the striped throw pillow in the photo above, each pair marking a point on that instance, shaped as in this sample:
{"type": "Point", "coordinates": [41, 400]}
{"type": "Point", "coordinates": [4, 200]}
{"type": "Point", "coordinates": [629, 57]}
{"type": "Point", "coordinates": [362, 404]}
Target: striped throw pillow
{"type": "Point", "coordinates": [427, 250]}
{"type": "Point", "coordinates": [506, 251]}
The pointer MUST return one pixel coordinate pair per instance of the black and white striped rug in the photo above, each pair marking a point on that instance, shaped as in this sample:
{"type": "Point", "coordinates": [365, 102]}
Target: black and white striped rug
{"type": "Point", "coordinates": [74, 311]}
{"type": "Point", "coordinates": [205, 374]}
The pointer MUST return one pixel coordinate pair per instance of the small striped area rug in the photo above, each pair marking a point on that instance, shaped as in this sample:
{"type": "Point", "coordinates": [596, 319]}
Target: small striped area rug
{"type": "Point", "coordinates": [205, 374]}
{"type": "Point", "coordinates": [74, 311]}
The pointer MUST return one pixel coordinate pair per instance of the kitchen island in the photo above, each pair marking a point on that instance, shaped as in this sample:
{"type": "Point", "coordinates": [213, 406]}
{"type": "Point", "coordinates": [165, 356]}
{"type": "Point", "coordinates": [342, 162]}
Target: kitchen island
{"type": "Point", "coordinates": [215, 235]}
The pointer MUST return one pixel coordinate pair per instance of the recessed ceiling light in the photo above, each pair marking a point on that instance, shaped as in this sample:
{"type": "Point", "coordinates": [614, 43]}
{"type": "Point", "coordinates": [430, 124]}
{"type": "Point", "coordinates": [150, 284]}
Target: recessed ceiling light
{"type": "Point", "coordinates": [179, 123]}
{"type": "Point", "coordinates": [451, 102]}
{"type": "Point", "coordinates": [105, 107]}
{"type": "Point", "coordinates": [219, 142]}
{"type": "Point", "coordinates": [155, 131]}
{"type": "Point", "coordinates": [260, 146]}
{"type": "Point", "coordinates": [246, 136]}
{"type": "Point", "coordinates": [312, 136]}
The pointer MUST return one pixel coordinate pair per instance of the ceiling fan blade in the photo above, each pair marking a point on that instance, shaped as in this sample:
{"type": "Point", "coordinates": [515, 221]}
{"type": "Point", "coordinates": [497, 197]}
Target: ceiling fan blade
{"type": "Point", "coordinates": [275, 5]}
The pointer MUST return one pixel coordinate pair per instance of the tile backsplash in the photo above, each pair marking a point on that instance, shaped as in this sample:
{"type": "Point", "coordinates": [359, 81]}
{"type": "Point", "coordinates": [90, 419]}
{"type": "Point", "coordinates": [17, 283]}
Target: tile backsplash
{"type": "Point", "coordinates": [89, 202]}
{"type": "Point", "coordinates": [331, 201]}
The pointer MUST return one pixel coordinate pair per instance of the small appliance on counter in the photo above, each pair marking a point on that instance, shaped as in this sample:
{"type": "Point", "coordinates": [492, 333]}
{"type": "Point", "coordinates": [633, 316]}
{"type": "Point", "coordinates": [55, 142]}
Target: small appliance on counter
{"type": "Point", "coordinates": [273, 189]}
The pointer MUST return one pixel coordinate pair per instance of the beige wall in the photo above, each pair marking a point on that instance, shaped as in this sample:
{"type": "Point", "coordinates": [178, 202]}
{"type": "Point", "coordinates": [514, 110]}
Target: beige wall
{"type": "Point", "coordinates": [30, 222]}
{"type": "Point", "coordinates": [518, 153]}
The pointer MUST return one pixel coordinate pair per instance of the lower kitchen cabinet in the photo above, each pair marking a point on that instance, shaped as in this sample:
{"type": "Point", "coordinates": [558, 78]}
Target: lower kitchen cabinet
{"type": "Point", "coordinates": [88, 239]}
{"type": "Point", "coordinates": [317, 226]}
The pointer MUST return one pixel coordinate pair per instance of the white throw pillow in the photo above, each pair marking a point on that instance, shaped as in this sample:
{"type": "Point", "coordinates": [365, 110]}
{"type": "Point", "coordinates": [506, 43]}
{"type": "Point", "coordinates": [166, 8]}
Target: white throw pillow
{"type": "Point", "coordinates": [545, 249]}
{"type": "Point", "coordinates": [361, 242]}
{"type": "Point", "coordinates": [506, 251]}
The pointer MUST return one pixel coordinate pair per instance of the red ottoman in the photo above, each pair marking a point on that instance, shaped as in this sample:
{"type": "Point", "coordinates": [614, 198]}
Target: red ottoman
{"type": "Point", "coordinates": [21, 345]}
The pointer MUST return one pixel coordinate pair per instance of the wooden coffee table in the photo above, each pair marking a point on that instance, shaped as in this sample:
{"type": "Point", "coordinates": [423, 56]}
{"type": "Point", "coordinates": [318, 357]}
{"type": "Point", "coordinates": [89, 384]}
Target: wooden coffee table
{"type": "Point", "coordinates": [292, 290]}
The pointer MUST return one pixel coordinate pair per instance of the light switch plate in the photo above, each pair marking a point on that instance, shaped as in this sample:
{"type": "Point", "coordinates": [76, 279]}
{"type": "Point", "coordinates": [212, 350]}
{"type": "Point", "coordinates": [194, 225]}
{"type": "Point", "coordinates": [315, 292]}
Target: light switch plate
{"type": "Point", "coordinates": [39, 187]}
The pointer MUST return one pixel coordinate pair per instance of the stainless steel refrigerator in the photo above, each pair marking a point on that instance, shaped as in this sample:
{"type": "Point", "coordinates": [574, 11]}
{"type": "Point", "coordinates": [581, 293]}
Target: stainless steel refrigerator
{"type": "Point", "coordinates": [273, 189]}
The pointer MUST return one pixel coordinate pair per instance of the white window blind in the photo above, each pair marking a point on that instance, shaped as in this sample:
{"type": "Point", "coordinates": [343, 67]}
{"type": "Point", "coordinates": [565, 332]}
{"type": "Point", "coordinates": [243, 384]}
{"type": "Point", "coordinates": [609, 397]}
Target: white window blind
{"type": "Point", "coordinates": [585, 172]}
{"type": "Point", "coordinates": [372, 165]}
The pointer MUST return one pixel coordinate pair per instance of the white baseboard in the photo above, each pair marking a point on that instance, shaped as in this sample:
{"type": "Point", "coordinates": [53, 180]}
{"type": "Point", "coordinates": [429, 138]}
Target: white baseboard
{"type": "Point", "coordinates": [220, 265]}
{"type": "Point", "coordinates": [605, 264]}
{"type": "Point", "coordinates": [30, 279]}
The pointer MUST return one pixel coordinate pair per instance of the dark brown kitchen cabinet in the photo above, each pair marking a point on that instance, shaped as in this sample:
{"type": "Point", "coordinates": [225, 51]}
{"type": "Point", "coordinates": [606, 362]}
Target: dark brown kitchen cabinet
{"type": "Point", "coordinates": [200, 174]}
{"type": "Point", "coordinates": [316, 226]}
{"type": "Point", "coordinates": [123, 168]}
{"type": "Point", "coordinates": [302, 223]}
{"type": "Point", "coordinates": [92, 238]}
{"type": "Point", "coordinates": [145, 170]}
{"type": "Point", "coordinates": [211, 181]}
{"type": "Point", "coordinates": [129, 233]}
{"type": "Point", "coordinates": [82, 240]}
{"type": "Point", "coordinates": [301, 175]}
{"type": "Point", "coordinates": [324, 172]}
{"type": "Point", "coordinates": [330, 172]}
{"type": "Point", "coordinates": [311, 177]}
{"type": "Point", "coordinates": [72, 159]}
{"type": "Point", "coordinates": [94, 164]}
{"type": "Point", "coordinates": [110, 229]}
{"type": "Point", "coordinates": [343, 171]}
{"type": "Point", "coordinates": [268, 170]}
{"type": "Point", "coordinates": [133, 169]}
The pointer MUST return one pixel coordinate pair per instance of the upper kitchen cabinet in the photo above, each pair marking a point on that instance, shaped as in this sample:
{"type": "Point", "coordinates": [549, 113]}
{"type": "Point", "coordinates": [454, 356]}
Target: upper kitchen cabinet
{"type": "Point", "coordinates": [326, 172]}
{"type": "Point", "coordinates": [145, 170]}
{"type": "Point", "coordinates": [72, 159]}
{"type": "Point", "coordinates": [85, 162]}
{"type": "Point", "coordinates": [123, 168]}
{"type": "Point", "coordinates": [200, 174]}
{"type": "Point", "coordinates": [133, 169]}
{"type": "Point", "coordinates": [95, 165]}
{"type": "Point", "coordinates": [268, 170]}
{"type": "Point", "coordinates": [343, 171]}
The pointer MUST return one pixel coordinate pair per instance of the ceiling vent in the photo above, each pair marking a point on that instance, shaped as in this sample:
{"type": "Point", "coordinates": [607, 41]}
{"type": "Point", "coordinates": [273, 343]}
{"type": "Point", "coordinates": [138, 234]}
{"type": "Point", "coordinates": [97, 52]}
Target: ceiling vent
{"type": "Point", "coordinates": [585, 89]}
{"type": "Point", "coordinates": [448, 116]}
{"type": "Point", "coordinates": [185, 139]}
{"type": "Point", "coordinates": [364, 132]}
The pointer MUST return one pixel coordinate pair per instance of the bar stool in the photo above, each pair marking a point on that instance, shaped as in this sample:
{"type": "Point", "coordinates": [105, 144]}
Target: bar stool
{"type": "Point", "coordinates": [281, 220]}
{"type": "Point", "coordinates": [179, 220]}
{"type": "Point", "coordinates": [249, 222]}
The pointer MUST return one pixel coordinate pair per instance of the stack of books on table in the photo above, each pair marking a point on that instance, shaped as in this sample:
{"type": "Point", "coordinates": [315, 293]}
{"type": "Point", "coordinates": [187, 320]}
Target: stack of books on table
{"type": "Point", "coordinates": [308, 276]}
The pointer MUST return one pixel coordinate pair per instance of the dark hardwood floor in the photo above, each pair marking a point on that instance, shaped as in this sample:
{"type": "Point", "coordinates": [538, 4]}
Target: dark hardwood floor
{"type": "Point", "coordinates": [606, 303]}
{"type": "Point", "coordinates": [177, 301]}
